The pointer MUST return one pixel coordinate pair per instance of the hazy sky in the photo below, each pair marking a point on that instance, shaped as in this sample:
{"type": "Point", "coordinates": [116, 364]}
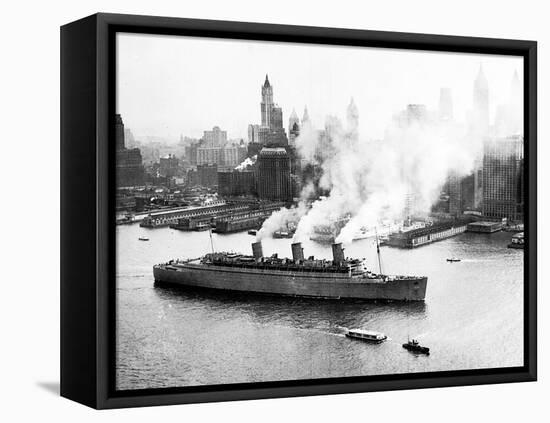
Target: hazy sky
{"type": "Point", "coordinates": [172, 85]}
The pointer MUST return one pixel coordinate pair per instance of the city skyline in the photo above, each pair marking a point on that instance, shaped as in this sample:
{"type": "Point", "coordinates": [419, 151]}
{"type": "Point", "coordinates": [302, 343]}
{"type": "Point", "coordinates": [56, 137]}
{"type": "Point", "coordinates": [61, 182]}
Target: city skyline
{"type": "Point", "coordinates": [160, 94]}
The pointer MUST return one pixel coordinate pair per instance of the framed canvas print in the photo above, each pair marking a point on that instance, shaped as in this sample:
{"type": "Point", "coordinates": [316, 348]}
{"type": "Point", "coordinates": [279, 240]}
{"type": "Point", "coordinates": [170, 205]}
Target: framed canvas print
{"type": "Point", "coordinates": [254, 211]}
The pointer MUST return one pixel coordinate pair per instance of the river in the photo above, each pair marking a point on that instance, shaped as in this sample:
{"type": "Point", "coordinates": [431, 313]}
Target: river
{"type": "Point", "coordinates": [472, 317]}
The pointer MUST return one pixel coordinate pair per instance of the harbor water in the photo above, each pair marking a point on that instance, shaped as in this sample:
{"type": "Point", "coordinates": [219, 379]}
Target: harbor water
{"type": "Point", "coordinates": [472, 317]}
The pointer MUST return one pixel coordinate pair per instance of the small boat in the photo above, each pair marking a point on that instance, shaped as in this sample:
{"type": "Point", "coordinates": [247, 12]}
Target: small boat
{"type": "Point", "coordinates": [518, 241]}
{"type": "Point", "coordinates": [143, 238]}
{"type": "Point", "coordinates": [252, 232]}
{"type": "Point", "coordinates": [202, 227]}
{"type": "Point", "coordinates": [414, 346]}
{"type": "Point", "coordinates": [453, 259]}
{"type": "Point", "coordinates": [283, 234]}
{"type": "Point", "coordinates": [366, 335]}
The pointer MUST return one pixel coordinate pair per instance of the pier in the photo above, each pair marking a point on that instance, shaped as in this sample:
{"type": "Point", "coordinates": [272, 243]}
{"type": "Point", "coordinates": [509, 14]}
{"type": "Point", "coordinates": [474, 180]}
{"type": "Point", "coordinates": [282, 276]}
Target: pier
{"type": "Point", "coordinates": [198, 217]}
{"type": "Point", "coordinates": [422, 236]}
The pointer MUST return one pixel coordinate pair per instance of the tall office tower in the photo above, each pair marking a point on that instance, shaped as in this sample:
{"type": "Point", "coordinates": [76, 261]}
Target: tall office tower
{"type": "Point", "coordinates": [293, 119]}
{"type": "Point", "coordinates": [455, 194]}
{"type": "Point", "coordinates": [293, 134]}
{"type": "Point", "coordinates": [276, 118]}
{"type": "Point", "coordinates": [481, 102]}
{"type": "Point", "coordinates": [253, 133]}
{"type": "Point", "coordinates": [129, 163]}
{"type": "Point", "coordinates": [305, 116]}
{"type": "Point", "coordinates": [277, 135]}
{"type": "Point", "coordinates": [445, 104]}
{"type": "Point", "coordinates": [274, 182]}
{"type": "Point", "coordinates": [267, 102]}
{"type": "Point", "coordinates": [119, 133]}
{"type": "Point", "coordinates": [503, 178]}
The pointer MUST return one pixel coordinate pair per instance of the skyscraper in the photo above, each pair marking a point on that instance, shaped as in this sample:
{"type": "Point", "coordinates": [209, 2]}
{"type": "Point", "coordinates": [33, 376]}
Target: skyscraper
{"type": "Point", "coordinates": [276, 118]}
{"type": "Point", "coordinates": [293, 119]}
{"type": "Point", "coordinates": [267, 102]}
{"type": "Point", "coordinates": [305, 116]}
{"type": "Point", "coordinates": [271, 131]}
{"type": "Point", "coordinates": [293, 134]}
{"type": "Point", "coordinates": [274, 181]}
{"type": "Point", "coordinates": [481, 102]}
{"type": "Point", "coordinates": [509, 116]}
{"type": "Point", "coordinates": [119, 133]}
{"type": "Point", "coordinates": [503, 178]}
{"type": "Point", "coordinates": [129, 163]}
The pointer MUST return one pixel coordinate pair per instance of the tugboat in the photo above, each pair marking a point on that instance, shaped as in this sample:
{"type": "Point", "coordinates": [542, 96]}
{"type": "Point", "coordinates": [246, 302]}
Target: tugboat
{"type": "Point", "coordinates": [143, 238]}
{"type": "Point", "coordinates": [518, 241]}
{"type": "Point", "coordinates": [413, 346]}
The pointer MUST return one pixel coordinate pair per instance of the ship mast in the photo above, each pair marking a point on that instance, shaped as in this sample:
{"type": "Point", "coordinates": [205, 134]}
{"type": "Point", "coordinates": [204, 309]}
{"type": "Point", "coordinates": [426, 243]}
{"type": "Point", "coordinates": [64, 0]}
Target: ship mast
{"type": "Point", "coordinates": [211, 241]}
{"type": "Point", "coordinates": [378, 251]}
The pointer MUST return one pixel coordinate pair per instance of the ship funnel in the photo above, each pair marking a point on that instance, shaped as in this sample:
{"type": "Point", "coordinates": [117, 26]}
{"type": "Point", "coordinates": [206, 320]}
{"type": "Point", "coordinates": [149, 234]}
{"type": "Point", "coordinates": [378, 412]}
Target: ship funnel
{"type": "Point", "coordinates": [338, 253]}
{"type": "Point", "coordinates": [297, 251]}
{"type": "Point", "coordinates": [257, 250]}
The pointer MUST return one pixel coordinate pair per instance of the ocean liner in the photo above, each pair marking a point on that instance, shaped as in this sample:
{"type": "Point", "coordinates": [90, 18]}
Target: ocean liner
{"type": "Point", "coordinates": [297, 276]}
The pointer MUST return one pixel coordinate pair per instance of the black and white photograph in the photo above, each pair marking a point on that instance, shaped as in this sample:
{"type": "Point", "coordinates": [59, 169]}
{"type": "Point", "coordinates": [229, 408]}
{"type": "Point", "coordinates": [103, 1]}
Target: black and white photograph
{"type": "Point", "coordinates": [290, 211]}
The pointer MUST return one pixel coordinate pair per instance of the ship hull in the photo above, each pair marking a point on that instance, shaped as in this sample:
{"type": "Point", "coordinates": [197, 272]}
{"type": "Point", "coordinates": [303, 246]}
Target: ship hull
{"type": "Point", "coordinates": [297, 284]}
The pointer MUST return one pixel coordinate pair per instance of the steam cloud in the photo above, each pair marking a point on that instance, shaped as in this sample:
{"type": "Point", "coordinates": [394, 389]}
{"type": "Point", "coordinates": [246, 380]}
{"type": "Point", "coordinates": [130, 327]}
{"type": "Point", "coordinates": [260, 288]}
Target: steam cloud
{"type": "Point", "coordinates": [370, 180]}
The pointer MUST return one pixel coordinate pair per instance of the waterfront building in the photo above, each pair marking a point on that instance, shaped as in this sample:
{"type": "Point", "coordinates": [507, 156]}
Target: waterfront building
{"type": "Point", "coordinates": [274, 181]}
{"type": "Point", "coordinates": [455, 194]}
{"type": "Point", "coordinates": [461, 191]}
{"type": "Point", "coordinates": [129, 163]}
{"type": "Point", "coordinates": [236, 183]}
{"type": "Point", "coordinates": [207, 175]}
{"type": "Point", "coordinates": [503, 194]}
{"type": "Point", "coordinates": [422, 236]}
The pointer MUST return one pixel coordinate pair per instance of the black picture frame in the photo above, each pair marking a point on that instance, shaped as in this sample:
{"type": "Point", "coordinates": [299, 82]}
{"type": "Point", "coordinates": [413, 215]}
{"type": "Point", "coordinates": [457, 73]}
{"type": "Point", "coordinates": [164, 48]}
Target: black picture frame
{"type": "Point", "coordinates": [87, 214]}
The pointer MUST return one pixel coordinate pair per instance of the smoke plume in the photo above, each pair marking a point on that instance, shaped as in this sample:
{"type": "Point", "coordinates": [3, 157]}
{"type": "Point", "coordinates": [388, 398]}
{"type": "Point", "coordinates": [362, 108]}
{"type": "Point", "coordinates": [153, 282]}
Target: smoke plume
{"type": "Point", "coordinates": [374, 180]}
